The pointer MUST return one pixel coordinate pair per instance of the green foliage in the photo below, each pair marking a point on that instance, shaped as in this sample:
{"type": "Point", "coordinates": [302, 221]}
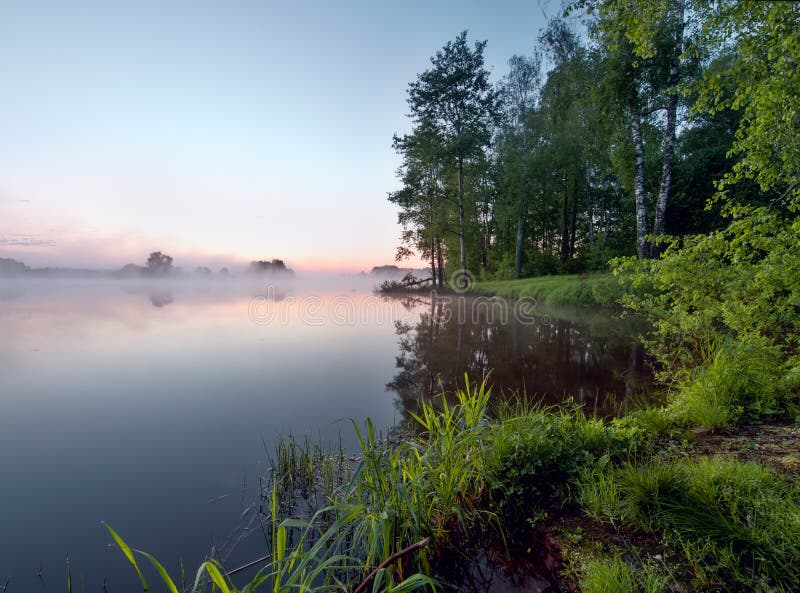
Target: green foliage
{"type": "Point", "coordinates": [736, 281]}
{"type": "Point", "coordinates": [536, 454]}
{"type": "Point", "coordinates": [594, 289]}
{"type": "Point", "coordinates": [726, 314]}
{"type": "Point", "coordinates": [737, 520]}
{"type": "Point", "coordinates": [613, 575]}
{"type": "Point", "coordinates": [726, 305]}
{"type": "Point", "coordinates": [741, 379]}
{"type": "Point", "coordinates": [766, 86]}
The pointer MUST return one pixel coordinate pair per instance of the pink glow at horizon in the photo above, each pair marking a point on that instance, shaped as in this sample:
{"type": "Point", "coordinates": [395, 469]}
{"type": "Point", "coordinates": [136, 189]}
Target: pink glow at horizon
{"type": "Point", "coordinates": [218, 133]}
{"type": "Point", "coordinates": [101, 255]}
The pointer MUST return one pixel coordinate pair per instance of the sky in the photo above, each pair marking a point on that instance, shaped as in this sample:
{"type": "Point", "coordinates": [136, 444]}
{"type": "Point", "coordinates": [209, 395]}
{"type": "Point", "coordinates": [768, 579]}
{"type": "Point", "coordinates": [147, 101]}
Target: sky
{"type": "Point", "coordinates": [219, 132]}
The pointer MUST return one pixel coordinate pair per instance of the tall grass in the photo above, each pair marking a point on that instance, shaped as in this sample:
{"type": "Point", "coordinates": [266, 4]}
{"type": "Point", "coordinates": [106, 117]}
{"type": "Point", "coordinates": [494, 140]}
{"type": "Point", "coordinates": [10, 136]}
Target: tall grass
{"type": "Point", "coordinates": [304, 557]}
{"type": "Point", "coordinates": [736, 520]}
{"type": "Point", "coordinates": [341, 522]}
{"type": "Point", "coordinates": [737, 379]}
{"type": "Point", "coordinates": [426, 486]}
{"type": "Point", "coordinates": [307, 475]}
{"type": "Point", "coordinates": [594, 289]}
{"type": "Point", "coordinates": [616, 576]}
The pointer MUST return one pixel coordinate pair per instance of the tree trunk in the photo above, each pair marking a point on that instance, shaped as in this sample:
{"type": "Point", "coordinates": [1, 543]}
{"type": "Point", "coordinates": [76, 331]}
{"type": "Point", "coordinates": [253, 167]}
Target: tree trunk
{"type": "Point", "coordinates": [433, 261]}
{"type": "Point", "coordinates": [440, 261]}
{"type": "Point", "coordinates": [603, 221]}
{"type": "Point", "coordinates": [487, 236]}
{"type": "Point", "coordinates": [433, 238]}
{"type": "Point", "coordinates": [518, 258]}
{"type": "Point", "coordinates": [565, 223]}
{"type": "Point", "coordinates": [523, 203]}
{"type": "Point", "coordinates": [545, 237]}
{"type": "Point", "coordinates": [669, 134]}
{"type": "Point", "coordinates": [574, 216]}
{"type": "Point", "coordinates": [461, 220]}
{"type": "Point", "coordinates": [589, 211]}
{"type": "Point", "coordinates": [638, 183]}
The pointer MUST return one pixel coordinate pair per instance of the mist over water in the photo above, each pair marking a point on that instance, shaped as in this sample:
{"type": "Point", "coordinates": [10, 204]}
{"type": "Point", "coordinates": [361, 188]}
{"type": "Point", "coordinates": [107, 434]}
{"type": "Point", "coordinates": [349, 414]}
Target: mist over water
{"type": "Point", "coordinates": [148, 404]}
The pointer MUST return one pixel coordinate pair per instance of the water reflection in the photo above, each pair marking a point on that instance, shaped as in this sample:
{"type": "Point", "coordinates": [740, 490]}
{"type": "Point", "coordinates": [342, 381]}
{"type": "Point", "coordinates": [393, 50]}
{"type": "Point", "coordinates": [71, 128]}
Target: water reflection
{"type": "Point", "coordinates": [161, 298]}
{"type": "Point", "coordinates": [591, 356]}
{"type": "Point", "coordinates": [149, 406]}
{"type": "Point", "coordinates": [154, 419]}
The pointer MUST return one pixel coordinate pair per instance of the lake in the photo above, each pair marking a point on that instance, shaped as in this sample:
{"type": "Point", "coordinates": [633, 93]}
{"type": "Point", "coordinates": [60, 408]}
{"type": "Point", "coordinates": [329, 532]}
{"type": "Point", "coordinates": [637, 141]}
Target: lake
{"type": "Point", "coordinates": [153, 407]}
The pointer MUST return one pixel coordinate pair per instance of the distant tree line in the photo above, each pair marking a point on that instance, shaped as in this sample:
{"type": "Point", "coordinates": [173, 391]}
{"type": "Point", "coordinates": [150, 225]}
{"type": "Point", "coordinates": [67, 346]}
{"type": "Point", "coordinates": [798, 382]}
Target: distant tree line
{"type": "Point", "coordinates": [158, 264]}
{"type": "Point", "coordinates": [276, 266]}
{"type": "Point", "coordinates": [12, 267]}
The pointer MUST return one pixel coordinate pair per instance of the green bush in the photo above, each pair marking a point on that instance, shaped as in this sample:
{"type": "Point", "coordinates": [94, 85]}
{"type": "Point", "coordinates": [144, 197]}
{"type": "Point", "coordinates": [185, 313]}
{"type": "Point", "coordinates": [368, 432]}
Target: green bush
{"type": "Point", "coordinates": [538, 454]}
{"type": "Point", "coordinates": [725, 309]}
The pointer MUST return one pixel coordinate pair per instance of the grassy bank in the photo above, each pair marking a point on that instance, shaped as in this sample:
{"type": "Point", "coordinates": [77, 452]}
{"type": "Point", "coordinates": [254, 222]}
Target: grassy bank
{"type": "Point", "coordinates": [594, 289]}
{"type": "Point", "coordinates": [632, 504]}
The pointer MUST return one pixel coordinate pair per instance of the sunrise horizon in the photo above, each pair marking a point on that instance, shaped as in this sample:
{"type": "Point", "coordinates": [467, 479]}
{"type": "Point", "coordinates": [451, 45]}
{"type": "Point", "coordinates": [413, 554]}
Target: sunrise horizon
{"type": "Point", "coordinates": [231, 134]}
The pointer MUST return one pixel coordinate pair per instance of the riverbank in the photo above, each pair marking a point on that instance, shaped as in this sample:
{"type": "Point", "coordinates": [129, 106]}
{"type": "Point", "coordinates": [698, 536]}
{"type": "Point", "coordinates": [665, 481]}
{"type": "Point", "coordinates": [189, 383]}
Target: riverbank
{"type": "Point", "coordinates": [592, 289]}
{"type": "Point", "coordinates": [544, 496]}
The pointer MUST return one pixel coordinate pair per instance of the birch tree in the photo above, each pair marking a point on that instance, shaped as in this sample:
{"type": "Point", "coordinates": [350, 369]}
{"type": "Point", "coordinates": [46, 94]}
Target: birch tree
{"type": "Point", "coordinates": [520, 89]}
{"type": "Point", "coordinates": [650, 38]}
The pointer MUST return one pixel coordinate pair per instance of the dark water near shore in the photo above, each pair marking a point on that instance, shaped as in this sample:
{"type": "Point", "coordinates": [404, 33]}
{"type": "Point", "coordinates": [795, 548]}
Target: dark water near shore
{"type": "Point", "coordinates": [150, 407]}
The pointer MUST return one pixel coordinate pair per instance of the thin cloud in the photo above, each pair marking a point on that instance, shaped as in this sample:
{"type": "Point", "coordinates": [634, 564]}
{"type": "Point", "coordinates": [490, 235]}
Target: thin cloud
{"type": "Point", "coordinates": [24, 241]}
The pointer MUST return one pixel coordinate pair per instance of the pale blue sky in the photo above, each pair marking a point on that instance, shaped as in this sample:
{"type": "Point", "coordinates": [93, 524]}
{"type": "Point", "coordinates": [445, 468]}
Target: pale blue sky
{"type": "Point", "coordinates": [218, 130]}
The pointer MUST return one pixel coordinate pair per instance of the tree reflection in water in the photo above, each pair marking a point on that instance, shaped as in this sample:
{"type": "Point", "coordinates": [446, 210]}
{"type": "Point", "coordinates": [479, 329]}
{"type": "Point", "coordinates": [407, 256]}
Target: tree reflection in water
{"type": "Point", "coordinates": [556, 353]}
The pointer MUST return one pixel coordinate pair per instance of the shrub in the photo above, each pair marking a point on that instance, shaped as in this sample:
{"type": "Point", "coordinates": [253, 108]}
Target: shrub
{"type": "Point", "coordinates": [741, 379]}
{"type": "Point", "coordinates": [539, 453]}
{"type": "Point", "coordinates": [725, 308]}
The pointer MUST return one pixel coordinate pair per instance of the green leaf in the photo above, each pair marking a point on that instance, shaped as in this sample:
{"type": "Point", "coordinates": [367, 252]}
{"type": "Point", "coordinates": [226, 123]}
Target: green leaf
{"type": "Point", "coordinates": [216, 577]}
{"type": "Point", "coordinates": [128, 554]}
{"type": "Point", "coordinates": [161, 571]}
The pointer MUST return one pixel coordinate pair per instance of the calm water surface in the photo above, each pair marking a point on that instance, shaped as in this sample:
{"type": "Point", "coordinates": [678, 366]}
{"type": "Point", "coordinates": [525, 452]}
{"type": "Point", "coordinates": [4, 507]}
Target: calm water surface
{"type": "Point", "coordinates": [150, 408]}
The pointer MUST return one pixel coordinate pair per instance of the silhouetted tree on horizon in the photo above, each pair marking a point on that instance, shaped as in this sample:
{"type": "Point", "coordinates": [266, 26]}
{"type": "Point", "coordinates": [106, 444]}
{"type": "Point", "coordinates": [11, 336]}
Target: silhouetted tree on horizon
{"type": "Point", "coordinates": [159, 263]}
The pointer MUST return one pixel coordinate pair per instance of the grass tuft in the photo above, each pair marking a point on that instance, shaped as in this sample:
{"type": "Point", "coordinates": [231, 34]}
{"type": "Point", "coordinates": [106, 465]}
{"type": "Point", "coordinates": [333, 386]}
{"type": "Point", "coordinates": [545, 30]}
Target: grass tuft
{"type": "Point", "coordinates": [616, 576]}
{"type": "Point", "coordinates": [738, 520]}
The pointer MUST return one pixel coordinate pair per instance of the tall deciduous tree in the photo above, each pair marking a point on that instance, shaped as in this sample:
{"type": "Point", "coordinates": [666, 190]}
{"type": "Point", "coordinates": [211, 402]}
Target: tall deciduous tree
{"type": "Point", "coordinates": [519, 90]}
{"type": "Point", "coordinates": [455, 98]}
{"type": "Point", "coordinates": [646, 40]}
{"type": "Point", "coordinates": [422, 198]}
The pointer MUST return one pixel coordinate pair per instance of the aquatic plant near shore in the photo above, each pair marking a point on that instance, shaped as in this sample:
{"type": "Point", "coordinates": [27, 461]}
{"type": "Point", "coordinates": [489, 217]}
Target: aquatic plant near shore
{"type": "Point", "coordinates": [365, 520]}
{"type": "Point", "coordinates": [316, 561]}
{"type": "Point", "coordinates": [451, 477]}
